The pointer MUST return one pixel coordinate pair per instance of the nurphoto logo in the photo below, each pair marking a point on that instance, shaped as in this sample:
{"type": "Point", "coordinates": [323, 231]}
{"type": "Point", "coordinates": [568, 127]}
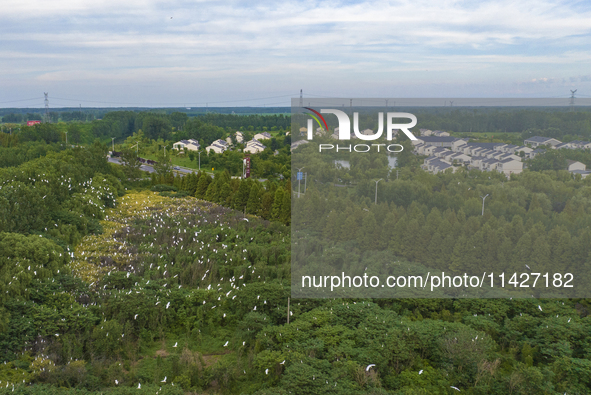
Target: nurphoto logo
{"type": "Point", "coordinates": [344, 130]}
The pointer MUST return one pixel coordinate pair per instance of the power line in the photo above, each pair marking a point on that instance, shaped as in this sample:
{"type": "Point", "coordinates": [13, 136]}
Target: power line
{"type": "Point", "coordinates": [15, 101]}
{"type": "Point", "coordinates": [184, 104]}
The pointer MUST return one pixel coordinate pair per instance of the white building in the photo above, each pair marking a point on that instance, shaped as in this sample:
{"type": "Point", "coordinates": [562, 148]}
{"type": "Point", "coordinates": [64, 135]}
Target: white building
{"type": "Point", "coordinates": [296, 144]}
{"type": "Point", "coordinates": [239, 137]}
{"type": "Point", "coordinates": [510, 166]}
{"type": "Point", "coordinates": [581, 144]}
{"type": "Point", "coordinates": [436, 165]}
{"type": "Point", "coordinates": [264, 136]}
{"type": "Point", "coordinates": [526, 151]}
{"type": "Point", "coordinates": [536, 141]}
{"type": "Point", "coordinates": [218, 146]}
{"type": "Point", "coordinates": [574, 165]}
{"type": "Point", "coordinates": [254, 147]}
{"type": "Point", "coordinates": [191, 145]}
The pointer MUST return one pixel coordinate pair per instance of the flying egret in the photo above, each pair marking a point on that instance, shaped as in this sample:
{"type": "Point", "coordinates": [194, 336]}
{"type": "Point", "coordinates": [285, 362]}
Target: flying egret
{"type": "Point", "coordinates": [369, 367]}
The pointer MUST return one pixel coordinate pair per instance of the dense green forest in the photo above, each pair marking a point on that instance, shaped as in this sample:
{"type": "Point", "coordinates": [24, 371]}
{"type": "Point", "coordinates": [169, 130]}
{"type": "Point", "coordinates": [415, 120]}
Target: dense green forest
{"type": "Point", "coordinates": [114, 282]}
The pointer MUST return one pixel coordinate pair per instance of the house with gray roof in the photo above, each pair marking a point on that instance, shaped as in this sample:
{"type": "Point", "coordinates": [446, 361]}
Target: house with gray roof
{"type": "Point", "coordinates": [536, 141]}
{"type": "Point", "coordinates": [191, 145]}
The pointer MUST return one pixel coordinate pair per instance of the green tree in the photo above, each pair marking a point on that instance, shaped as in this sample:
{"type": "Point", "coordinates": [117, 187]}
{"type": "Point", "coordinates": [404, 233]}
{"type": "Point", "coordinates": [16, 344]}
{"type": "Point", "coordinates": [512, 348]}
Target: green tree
{"type": "Point", "coordinates": [131, 164]}
{"type": "Point", "coordinates": [277, 204]}
{"type": "Point", "coordinates": [202, 186]}
{"type": "Point", "coordinates": [163, 165]}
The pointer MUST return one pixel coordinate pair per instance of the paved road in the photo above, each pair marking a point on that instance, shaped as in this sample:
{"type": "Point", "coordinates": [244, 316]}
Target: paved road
{"type": "Point", "coordinates": [150, 169]}
{"type": "Point", "coordinates": [147, 168]}
{"type": "Point", "coordinates": [182, 171]}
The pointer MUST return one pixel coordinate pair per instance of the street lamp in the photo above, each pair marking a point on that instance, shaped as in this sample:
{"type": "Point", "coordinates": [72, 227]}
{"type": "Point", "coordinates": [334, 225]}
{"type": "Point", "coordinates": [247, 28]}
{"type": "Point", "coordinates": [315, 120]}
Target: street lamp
{"type": "Point", "coordinates": [137, 147]}
{"type": "Point", "coordinates": [483, 197]}
{"type": "Point", "coordinates": [377, 189]}
{"type": "Point", "coordinates": [299, 180]}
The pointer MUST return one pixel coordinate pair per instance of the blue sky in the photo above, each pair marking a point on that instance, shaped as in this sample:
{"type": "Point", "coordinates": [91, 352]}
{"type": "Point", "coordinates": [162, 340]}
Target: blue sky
{"type": "Point", "coordinates": [189, 53]}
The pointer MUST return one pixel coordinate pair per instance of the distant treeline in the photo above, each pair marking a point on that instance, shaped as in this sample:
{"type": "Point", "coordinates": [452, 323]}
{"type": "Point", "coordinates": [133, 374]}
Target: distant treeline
{"type": "Point", "coordinates": [258, 122]}
{"type": "Point", "coordinates": [559, 123]}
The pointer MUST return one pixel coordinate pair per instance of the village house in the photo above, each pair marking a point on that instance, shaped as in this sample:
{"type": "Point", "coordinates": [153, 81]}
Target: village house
{"type": "Point", "coordinates": [218, 146]}
{"type": "Point", "coordinates": [262, 136]}
{"type": "Point", "coordinates": [536, 141]}
{"type": "Point", "coordinates": [239, 137]}
{"type": "Point", "coordinates": [254, 146]}
{"type": "Point", "coordinates": [191, 145]}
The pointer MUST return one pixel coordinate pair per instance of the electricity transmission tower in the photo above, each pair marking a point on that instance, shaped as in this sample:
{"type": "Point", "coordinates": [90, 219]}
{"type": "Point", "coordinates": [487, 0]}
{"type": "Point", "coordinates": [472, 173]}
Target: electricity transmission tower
{"type": "Point", "coordinates": [572, 99]}
{"type": "Point", "coordinates": [46, 107]}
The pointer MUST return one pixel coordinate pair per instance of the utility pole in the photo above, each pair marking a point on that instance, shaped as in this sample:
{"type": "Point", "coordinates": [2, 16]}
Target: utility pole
{"type": "Point", "coordinates": [66, 138]}
{"type": "Point", "coordinates": [288, 300]}
{"type": "Point", "coordinates": [483, 197]}
{"type": "Point", "coordinates": [199, 152]}
{"type": "Point", "coordinates": [376, 202]}
{"type": "Point", "coordinates": [305, 182]}
{"type": "Point", "coordinates": [301, 105]}
{"type": "Point", "coordinates": [113, 142]}
{"type": "Point", "coordinates": [299, 181]}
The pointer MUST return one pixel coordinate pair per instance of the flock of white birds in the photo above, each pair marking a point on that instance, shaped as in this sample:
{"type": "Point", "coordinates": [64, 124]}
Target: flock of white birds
{"type": "Point", "coordinates": [141, 237]}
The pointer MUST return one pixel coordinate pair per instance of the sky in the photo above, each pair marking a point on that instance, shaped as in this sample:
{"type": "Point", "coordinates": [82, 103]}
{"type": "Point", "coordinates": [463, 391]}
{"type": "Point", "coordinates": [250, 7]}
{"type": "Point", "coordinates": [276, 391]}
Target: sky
{"type": "Point", "coordinates": [189, 53]}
